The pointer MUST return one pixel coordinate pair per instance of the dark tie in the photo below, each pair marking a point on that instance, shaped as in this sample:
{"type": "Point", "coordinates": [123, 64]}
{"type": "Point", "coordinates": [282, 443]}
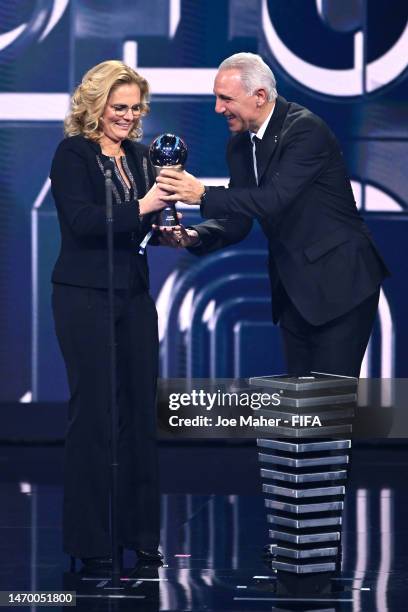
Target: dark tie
{"type": "Point", "coordinates": [256, 144]}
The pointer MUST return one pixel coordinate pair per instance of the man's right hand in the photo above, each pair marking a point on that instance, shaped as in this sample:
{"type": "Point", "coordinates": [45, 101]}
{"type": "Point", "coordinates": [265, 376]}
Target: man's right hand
{"type": "Point", "coordinates": [177, 236]}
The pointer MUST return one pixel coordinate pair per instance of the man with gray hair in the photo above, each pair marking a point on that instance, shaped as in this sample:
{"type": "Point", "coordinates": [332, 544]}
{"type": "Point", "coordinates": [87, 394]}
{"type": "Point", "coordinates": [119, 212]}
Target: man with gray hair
{"type": "Point", "coordinates": [287, 172]}
{"type": "Point", "coordinates": [253, 73]}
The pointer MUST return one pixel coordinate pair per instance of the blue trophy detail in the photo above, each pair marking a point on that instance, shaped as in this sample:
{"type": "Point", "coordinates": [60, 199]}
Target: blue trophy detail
{"type": "Point", "coordinates": [168, 150]}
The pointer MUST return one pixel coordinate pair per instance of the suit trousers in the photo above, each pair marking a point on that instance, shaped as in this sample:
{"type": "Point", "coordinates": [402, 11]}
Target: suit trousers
{"type": "Point", "coordinates": [81, 322]}
{"type": "Point", "coordinates": [337, 347]}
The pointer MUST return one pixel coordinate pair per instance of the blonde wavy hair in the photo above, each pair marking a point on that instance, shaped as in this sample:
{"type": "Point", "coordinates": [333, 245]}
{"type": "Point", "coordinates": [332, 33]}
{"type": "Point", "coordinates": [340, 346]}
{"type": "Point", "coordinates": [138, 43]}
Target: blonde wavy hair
{"type": "Point", "coordinates": [90, 98]}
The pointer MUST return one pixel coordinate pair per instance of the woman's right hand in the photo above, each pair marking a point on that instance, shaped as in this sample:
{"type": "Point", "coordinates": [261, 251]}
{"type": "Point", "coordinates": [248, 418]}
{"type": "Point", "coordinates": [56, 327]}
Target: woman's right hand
{"type": "Point", "coordinates": [152, 201]}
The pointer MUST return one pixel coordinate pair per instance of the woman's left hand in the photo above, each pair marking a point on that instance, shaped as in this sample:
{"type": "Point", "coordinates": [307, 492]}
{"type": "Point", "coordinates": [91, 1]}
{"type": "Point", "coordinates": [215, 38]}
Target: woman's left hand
{"type": "Point", "coordinates": [153, 201]}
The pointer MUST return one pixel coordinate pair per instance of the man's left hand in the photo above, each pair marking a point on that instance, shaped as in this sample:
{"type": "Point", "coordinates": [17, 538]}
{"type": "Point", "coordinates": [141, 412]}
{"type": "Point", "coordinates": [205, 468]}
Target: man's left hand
{"type": "Point", "coordinates": [180, 186]}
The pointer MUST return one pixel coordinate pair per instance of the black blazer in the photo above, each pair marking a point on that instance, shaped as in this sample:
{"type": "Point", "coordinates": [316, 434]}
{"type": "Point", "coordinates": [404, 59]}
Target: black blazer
{"type": "Point", "coordinates": [78, 188]}
{"type": "Point", "coordinates": [319, 246]}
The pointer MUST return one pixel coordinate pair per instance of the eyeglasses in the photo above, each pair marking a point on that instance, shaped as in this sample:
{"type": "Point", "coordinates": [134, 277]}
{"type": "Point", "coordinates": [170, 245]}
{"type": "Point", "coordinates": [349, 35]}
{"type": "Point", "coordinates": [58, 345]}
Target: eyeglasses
{"type": "Point", "coordinates": [122, 109]}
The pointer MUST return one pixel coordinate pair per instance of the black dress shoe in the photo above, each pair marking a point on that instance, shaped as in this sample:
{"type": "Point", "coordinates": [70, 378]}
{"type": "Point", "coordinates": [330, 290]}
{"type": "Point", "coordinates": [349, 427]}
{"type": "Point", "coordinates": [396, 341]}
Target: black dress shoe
{"type": "Point", "coordinates": [152, 557]}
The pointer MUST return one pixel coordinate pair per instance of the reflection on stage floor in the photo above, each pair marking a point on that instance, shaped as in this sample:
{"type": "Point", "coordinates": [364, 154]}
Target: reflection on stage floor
{"type": "Point", "coordinates": [212, 540]}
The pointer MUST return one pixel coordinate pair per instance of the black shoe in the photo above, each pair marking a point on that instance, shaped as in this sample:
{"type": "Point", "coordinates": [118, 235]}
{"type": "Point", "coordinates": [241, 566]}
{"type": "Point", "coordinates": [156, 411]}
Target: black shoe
{"type": "Point", "coordinates": [150, 557]}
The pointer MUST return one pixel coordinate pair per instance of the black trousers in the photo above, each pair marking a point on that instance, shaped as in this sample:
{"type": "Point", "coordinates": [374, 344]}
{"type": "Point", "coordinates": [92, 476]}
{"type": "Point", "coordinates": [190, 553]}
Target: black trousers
{"type": "Point", "coordinates": [337, 347]}
{"type": "Point", "coordinates": [81, 321]}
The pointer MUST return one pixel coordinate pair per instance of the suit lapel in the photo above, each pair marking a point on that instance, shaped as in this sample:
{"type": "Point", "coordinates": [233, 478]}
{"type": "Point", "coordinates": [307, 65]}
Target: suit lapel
{"type": "Point", "coordinates": [271, 137]}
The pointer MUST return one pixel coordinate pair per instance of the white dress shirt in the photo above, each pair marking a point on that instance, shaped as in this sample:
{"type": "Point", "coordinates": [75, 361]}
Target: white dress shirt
{"type": "Point", "coordinates": [259, 134]}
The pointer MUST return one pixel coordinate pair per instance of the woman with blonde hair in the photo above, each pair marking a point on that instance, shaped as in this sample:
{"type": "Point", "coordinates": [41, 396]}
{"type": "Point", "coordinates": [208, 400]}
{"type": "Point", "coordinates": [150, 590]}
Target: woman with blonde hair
{"type": "Point", "coordinates": [104, 124]}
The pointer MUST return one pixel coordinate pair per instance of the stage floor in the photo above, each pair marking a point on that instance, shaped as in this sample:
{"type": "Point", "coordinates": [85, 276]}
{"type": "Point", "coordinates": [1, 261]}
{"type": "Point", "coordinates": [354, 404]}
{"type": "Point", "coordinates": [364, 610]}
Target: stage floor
{"type": "Point", "coordinates": [213, 532]}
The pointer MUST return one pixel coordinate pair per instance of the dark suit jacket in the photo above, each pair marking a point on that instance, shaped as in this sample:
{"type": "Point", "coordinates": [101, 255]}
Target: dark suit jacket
{"type": "Point", "coordinates": [78, 188]}
{"type": "Point", "coordinates": [319, 246]}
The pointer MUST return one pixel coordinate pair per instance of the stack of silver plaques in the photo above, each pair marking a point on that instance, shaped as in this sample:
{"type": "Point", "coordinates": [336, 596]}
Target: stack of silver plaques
{"type": "Point", "coordinates": [305, 459]}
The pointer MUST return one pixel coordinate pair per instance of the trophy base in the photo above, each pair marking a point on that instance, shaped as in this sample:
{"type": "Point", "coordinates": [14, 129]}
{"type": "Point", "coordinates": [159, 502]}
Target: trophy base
{"type": "Point", "coordinates": [168, 216]}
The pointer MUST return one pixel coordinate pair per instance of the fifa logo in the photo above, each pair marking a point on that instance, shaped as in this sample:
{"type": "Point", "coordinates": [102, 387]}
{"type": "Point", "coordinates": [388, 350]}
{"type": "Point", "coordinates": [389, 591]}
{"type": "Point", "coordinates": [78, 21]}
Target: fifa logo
{"type": "Point", "coordinates": [341, 32]}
